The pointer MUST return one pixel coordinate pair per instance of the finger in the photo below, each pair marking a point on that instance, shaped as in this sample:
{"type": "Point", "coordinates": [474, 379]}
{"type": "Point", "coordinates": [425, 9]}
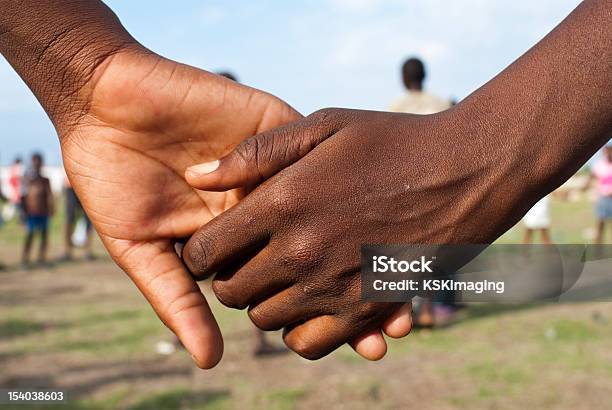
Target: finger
{"type": "Point", "coordinates": [174, 295]}
{"type": "Point", "coordinates": [236, 233]}
{"type": "Point", "coordinates": [370, 345]}
{"type": "Point", "coordinates": [282, 309]}
{"type": "Point", "coordinates": [321, 335]}
{"type": "Point", "coordinates": [318, 337]}
{"type": "Point", "coordinates": [399, 324]}
{"type": "Point", "coordinates": [251, 282]}
{"type": "Point", "coordinates": [259, 157]}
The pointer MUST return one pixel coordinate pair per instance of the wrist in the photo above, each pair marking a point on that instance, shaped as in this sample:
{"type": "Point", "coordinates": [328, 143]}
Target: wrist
{"type": "Point", "coordinates": [510, 166]}
{"type": "Point", "coordinates": [57, 49]}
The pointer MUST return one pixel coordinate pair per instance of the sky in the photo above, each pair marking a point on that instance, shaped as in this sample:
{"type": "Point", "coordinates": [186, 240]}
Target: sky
{"type": "Point", "coordinates": [312, 54]}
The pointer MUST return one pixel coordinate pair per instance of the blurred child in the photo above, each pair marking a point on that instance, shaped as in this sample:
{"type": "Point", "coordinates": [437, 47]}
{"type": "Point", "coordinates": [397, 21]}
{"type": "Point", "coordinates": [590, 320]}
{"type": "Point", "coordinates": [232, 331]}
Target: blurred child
{"type": "Point", "coordinates": [14, 181]}
{"type": "Point", "coordinates": [537, 219]}
{"type": "Point", "coordinates": [38, 208]}
{"type": "Point", "coordinates": [2, 200]}
{"type": "Point", "coordinates": [14, 191]}
{"type": "Point", "coordinates": [602, 172]}
{"type": "Point", "coordinates": [75, 215]}
{"type": "Point", "coordinates": [416, 100]}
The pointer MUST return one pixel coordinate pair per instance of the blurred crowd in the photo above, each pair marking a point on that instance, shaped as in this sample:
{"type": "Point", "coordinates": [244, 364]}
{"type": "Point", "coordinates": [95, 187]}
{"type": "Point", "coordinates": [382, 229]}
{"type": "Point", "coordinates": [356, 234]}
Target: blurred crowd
{"type": "Point", "coordinates": [442, 309]}
{"type": "Point", "coordinates": [28, 198]}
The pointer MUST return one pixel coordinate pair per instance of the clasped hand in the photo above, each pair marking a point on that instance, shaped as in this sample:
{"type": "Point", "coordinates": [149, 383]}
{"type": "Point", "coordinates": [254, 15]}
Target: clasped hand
{"type": "Point", "coordinates": [148, 119]}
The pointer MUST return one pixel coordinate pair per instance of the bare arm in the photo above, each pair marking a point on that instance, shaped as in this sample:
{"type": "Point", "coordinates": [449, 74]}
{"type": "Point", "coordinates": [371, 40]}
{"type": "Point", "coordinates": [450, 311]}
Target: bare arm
{"type": "Point", "coordinates": [349, 177]}
{"type": "Point", "coordinates": [56, 45]}
{"type": "Point", "coordinates": [545, 115]}
{"type": "Point", "coordinates": [130, 122]}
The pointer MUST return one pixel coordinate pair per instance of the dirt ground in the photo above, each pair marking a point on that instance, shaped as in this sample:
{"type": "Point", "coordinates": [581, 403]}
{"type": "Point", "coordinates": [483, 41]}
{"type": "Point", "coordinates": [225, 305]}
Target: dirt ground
{"type": "Point", "coordinates": [83, 327]}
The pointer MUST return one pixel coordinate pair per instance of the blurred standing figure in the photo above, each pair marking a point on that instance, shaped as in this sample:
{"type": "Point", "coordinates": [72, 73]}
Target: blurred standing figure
{"type": "Point", "coordinates": [14, 181]}
{"type": "Point", "coordinates": [38, 208]}
{"type": "Point", "coordinates": [2, 200]}
{"type": "Point", "coordinates": [602, 172]}
{"type": "Point", "coordinates": [538, 219]}
{"type": "Point", "coordinates": [15, 185]}
{"type": "Point", "coordinates": [75, 216]}
{"type": "Point", "coordinates": [416, 100]}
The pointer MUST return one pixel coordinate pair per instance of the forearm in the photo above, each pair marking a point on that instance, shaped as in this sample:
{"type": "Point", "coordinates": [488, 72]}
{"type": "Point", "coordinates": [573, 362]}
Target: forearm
{"type": "Point", "coordinates": [544, 116]}
{"type": "Point", "coordinates": [55, 46]}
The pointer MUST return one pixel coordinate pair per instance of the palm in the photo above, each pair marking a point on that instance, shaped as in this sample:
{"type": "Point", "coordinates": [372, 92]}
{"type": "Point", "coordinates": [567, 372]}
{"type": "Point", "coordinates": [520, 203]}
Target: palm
{"type": "Point", "coordinates": [147, 121]}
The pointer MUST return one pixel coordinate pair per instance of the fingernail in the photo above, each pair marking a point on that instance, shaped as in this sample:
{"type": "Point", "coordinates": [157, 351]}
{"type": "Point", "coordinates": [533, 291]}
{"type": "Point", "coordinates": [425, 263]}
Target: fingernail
{"type": "Point", "coordinates": [204, 168]}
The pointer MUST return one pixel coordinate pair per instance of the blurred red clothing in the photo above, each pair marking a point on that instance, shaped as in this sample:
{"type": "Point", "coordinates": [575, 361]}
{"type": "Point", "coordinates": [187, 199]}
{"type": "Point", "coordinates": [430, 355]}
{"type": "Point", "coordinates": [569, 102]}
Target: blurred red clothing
{"type": "Point", "coordinates": [15, 181]}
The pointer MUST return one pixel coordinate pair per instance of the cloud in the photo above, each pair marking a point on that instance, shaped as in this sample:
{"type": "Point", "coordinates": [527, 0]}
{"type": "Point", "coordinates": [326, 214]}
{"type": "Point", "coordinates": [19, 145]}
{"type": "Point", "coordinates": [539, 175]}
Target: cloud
{"type": "Point", "coordinates": [324, 52]}
{"type": "Point", "coordinates": [211, 15]}
{"type": "Point", "coordinates": [376, 44]}
{"type": "Point", "coordinates": [356, 6]}
{"type": "Point", "coordinates": [491, 34]}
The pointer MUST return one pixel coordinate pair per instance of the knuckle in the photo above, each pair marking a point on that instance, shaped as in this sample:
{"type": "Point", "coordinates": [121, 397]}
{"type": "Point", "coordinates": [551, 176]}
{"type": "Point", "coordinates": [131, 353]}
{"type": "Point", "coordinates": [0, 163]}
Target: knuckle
{"type": "Point", "coordinates": [285, 202]}
{"type": "Point", "coordinates": [304, 254]}
{"type": "Point", "coordinates": [227, 295]}
{"type": "Point", "coordinates": [375, 312]}
{"type": "Point", "coordinates": [324, 114]}
{"type": "Point", "coordinates": [247, 150]}
{"type": "Point", "coordinates": [276, 146]}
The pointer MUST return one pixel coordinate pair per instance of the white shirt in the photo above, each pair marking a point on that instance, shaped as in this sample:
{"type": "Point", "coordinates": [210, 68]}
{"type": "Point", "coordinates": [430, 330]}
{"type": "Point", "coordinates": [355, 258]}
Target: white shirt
{"type": "Point", "coordinates": [419, 102]}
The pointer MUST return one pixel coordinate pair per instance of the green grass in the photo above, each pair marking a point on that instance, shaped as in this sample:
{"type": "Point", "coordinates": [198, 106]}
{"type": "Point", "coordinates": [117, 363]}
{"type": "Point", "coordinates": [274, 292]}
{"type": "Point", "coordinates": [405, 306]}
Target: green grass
{"type": "Point", "coordinates": [496, 357]}
{"type": "Point", "coordinates": [10, 328]}
{"type": "Point", "coordinates": [183, 399]}
{"type": "Point", "coordinates": [572, 331]}
{"type": "Point", "coordinates": [570, 222]}
{"type": "Point", "coordinates": [282, 399]}
{"type": "Point", "coordinates": [93, 332]}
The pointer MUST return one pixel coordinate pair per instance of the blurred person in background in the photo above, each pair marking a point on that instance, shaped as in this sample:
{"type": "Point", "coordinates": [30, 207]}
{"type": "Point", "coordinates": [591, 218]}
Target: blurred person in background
{"type": "Point", "coordinates": [77, 226]}
{"type": "Point", "coordinates": [38, 208]}
{"type": "Point", "coordinates": [602, 173]}
{"type": "Point", "coordinates": [537, 219]}
{"type": "Point", "coordinates": [15, 186]}
{"type": "Point", "coordinates": [14, 180]}
{"type": "Point", "coordinates": [417, 101]}
{"type": "Point", "coordinates": [3, 199]}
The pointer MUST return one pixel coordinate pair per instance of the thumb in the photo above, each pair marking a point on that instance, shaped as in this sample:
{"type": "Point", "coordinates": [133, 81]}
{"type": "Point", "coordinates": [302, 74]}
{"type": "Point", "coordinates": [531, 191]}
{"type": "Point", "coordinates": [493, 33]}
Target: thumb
{"type": "Point", "coordinates": [258, 158]}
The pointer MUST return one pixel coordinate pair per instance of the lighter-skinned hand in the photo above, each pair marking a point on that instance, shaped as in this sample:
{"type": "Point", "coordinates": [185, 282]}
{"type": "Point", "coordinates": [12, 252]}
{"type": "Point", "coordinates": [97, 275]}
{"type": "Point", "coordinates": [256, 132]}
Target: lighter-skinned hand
{"type": "Point", "coordinates": [147, 120]}
{"type": "Point", "coordinates": [150, 118]}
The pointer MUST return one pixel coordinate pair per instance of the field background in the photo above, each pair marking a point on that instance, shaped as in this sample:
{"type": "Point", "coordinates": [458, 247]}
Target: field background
{"type": "Point", "coordinates": [82, 326]}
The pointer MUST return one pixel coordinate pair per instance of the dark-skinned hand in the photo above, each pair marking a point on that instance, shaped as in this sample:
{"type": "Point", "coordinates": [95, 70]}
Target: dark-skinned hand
{"type": "Point", "coordinates": [366, 178]}
{"type": "Point", "coordinates": [461, 176]}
